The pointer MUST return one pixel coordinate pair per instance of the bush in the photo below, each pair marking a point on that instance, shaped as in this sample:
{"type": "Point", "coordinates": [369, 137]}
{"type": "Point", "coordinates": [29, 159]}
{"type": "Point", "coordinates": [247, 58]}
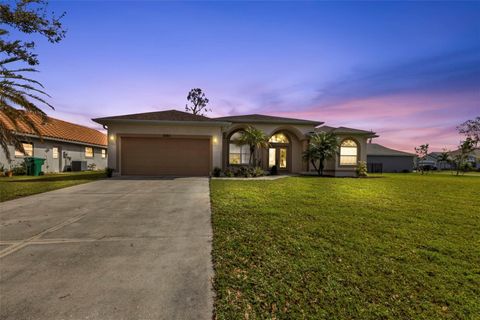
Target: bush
{"type": "Point", "coordinates": [362, 169]}
{"type": "Point", "coordinates": [109, 172]}
{"type": "Point", "coordinates": [229, 172]}
{"type": "Point", "coordinates": [217, 171]}
{"type": "Point", "coordinates": [258, 172]}
{"type": "Point", "coordinates": [92, 166]}
{"type": "Point", "coordinates": [244, 172]}
{"type": "Point", "coordinates": [274, 170]}
{"type": "Point", "coordinates": [19, 170]}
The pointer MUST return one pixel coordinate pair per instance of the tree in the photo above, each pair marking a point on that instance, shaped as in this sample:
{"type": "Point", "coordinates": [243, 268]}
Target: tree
{"type": "Point", "coordinates": [17, 92]}
{"type": "Point", "coordinates": [322, 146]}
{"type": "Point", "coordinates": [471, 129]}
{"type": "Point", "coordinates": [464, 150]}
{"type": "Point", "coordinates": [422, 153]}
{"type": "Point", "coordinates": [444, 158]}
{"type": "Point", "coordinates": [256, 139]}
{"type": "Point", "coordinates": [198, 102]}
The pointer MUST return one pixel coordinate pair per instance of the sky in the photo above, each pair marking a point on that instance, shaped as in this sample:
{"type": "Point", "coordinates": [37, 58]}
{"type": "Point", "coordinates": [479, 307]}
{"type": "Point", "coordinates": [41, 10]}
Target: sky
{"type": "Point", "coordinates": [409, 71]}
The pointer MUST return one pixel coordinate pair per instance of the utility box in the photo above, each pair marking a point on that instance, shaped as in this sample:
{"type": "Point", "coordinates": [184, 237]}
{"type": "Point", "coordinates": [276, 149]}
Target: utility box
{"type": "Point", "coordinates": [79, 165]}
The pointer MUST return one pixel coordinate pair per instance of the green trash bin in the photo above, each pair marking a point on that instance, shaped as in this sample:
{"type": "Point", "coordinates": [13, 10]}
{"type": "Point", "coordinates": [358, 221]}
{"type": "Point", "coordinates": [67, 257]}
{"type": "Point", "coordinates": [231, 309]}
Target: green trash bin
{"type": "Point", "coordinates": [34, 165]}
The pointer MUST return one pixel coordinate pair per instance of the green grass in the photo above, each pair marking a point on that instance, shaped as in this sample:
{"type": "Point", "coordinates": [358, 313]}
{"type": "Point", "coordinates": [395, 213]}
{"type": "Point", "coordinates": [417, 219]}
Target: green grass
{"type": "Point", "coordinates": [400, 246]}
{"type": "Point", "coordinates": [21, 186]}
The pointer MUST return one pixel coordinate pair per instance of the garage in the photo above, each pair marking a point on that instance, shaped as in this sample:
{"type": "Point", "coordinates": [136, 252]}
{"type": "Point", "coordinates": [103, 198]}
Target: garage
{"type": "Point", "coordinates": [165, 156]}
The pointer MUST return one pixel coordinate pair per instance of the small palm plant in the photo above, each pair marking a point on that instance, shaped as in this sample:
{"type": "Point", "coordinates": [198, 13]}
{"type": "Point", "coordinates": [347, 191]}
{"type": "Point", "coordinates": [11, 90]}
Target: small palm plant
{"type": "Point", "coordinates": [256, 139]}
{"type": "Point", "coordinates": [322, 146]}
{"type": "Point", "coordinates": [444, 158]}
{"type": "Point", "coordinates": [18, 91]}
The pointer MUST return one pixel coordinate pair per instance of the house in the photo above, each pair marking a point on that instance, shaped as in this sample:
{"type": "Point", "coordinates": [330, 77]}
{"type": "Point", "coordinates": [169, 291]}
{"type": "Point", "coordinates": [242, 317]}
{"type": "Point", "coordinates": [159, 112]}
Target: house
{"type": "Point", "coordinates": [473, 158]}
{"type": "Point", "coordinates": [61, 144]}
{"type": "Point", "coordinates": [178, 143]}
{"type": "Point", "coordinates": [383, 159]}
{"type": "Point", "coordinates": [432, 160]}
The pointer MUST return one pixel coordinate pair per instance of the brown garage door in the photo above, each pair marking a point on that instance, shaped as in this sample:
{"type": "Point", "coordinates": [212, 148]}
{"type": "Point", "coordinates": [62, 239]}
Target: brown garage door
{"type": "Point", "coordinates": [153, 156]}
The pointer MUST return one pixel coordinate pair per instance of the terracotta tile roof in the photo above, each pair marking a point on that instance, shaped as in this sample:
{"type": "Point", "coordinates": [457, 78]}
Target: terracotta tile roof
{"type": "Point", "coordinates": [168, 115]}
{"type": "Point", "coordinates": [59, 129]}
{"type": "Point", "coordinates": [375, 149]}
{"type": "Point", "coordinates": [261, 118]}
{"type": "Point", "coordinates": [345, 130]}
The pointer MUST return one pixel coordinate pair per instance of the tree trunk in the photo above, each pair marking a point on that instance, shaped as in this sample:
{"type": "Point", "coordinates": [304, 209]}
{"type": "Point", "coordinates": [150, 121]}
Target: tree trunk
{"type": "Point", "coordinates": [312, 161]}
{"type": "Point", "coordinates": [252, 156]}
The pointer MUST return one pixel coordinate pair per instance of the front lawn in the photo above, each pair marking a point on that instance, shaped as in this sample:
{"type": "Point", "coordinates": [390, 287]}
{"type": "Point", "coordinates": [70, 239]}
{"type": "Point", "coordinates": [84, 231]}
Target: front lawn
{"type": "Point", "coordinates": [400, 246]}
{"type": "Point", "coordinates": [21, 186]}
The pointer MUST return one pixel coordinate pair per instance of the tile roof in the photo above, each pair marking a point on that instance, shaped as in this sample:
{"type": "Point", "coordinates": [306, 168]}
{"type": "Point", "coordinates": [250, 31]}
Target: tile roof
{"type": "Point", "coordinates": [260, 118]}
{"type": "Point", "coordinates": [345, 130]}
{"type": "Point", "coordinates": [58, 129]}
{"type": "Point", "coordinates": [375, 149]}
{"type": "Point", "coordinates": [167, 115]}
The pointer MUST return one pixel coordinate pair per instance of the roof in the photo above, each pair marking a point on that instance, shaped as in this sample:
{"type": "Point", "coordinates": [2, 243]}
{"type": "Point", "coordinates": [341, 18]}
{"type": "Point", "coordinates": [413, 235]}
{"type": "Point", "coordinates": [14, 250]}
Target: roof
{"type": "Point", "coordinates": [167, 115]}
{"type": "Point", "coordinates": [345, 130]}
{"type": "Point", "coordinates": [57, 129]}
{"type": "Point", "coordinates": [475, 152]}
{"type": "Point", "coordinates": [375, 149]}
{"type": "Point", "coordinates": [260, 118]}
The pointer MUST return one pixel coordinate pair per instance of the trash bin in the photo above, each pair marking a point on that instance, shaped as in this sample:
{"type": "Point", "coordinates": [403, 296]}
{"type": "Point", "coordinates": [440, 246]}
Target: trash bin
{"type": "Point", "coordinates": [34, 166]}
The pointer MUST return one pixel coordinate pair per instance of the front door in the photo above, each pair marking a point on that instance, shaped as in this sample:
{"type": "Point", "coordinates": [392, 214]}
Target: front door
{"type": "Point", "coordinates": [278, 156]}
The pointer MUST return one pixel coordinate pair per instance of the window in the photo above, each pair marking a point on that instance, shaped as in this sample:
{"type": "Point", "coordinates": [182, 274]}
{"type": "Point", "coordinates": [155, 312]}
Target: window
{"type": "Point", "coordinates": [278, 138]}
{"type": "Point", "coordinates": [104, 153]}
{"type": "Point", "coordinates": [55, 152]}
{"type": "Point", "coordinates": [238, 154]}
{"type": "Point", "coordinates": [88, 152]}
{"type": "Point", "coordinates": [348, 153]}
{"type": "Point", "coordinates": [28, 147]}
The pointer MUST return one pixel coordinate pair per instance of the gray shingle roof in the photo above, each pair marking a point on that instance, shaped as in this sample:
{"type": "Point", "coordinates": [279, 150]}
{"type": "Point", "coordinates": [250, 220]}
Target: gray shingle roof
{"type": "Point", "coordinates": [260, 118]}
{"type": "Point", "coordinates": [167, 115]}
{"type": "Point", "coordinates": [375, 149]}
{"type": "Point", "coordinates": [345, 130]}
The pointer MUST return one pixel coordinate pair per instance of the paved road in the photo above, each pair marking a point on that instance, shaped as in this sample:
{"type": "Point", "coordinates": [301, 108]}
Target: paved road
{"type": "Point", "coordinates": [110, 249]}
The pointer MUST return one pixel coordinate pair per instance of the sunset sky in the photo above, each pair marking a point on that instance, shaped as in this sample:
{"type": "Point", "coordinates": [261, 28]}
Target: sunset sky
{"type": "Point", "coordinates": [409, 71]}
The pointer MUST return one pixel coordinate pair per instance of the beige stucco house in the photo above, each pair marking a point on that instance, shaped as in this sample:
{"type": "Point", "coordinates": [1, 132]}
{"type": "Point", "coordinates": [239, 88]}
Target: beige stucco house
{"type": "Point", "coordinates": [182, 144]}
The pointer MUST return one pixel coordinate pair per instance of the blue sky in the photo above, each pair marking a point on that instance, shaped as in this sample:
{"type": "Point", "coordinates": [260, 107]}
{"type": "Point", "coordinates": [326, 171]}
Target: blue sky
{"type": "Point", "coordinates": [408, 70]}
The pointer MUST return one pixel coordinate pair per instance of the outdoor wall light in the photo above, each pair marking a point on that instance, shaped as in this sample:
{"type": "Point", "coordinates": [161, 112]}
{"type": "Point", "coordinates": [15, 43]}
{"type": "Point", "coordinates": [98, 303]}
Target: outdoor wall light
{"type": "Point", "coordinates": [112, 137]}
{"type": "Point", "coordinates": [215, 140]}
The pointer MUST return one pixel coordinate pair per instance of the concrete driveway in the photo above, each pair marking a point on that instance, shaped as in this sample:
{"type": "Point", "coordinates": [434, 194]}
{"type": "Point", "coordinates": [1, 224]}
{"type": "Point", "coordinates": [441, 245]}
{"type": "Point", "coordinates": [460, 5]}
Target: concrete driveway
{"type": "Point", "coordinates": [110, 249]}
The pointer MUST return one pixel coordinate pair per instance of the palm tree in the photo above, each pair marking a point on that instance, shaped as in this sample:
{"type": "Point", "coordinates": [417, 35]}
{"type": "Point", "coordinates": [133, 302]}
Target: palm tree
{"type": "Point", "coordinates": [443, 158]}
{"type": "Point", "coordinates": [18, 98]}
{"type": "Point", "coordinates": [322, 146]}
{"type": "Point", "coordinates": [256, 139]}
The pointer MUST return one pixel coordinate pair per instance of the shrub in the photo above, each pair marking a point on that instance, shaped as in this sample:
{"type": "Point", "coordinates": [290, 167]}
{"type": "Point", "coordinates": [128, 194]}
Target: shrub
{"type": "Point", "coordinates": [258, 172]}
{"type": "Point", "coordinates": [362, 169]}
{"type": "Point", "coordinates": [229, 172]}
{"type": "Point", "coordinates": [92, 166]}
{"type": "Point", "coordinates": [217, 171]}
{"type": "Point", "coordinates": [274, 170]}
{"type": "Point", "coordinates": [243, 172]}
{"type": "Point", "coordinates": [109, 172]}
{"type": "Point", "coordinates": [19, 170]}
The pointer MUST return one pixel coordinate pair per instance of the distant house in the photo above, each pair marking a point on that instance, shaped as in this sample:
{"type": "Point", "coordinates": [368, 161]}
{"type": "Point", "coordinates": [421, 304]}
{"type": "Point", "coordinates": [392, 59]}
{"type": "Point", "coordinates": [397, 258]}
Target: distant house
{"type": "Point", "coordinates": [432, 160]}
{"type": "Point", "coordinates": [62, 144]}
{"type": "Point", "coordinates": [473, 158]}
{"type": "Point", "coordinates": [383, 159]}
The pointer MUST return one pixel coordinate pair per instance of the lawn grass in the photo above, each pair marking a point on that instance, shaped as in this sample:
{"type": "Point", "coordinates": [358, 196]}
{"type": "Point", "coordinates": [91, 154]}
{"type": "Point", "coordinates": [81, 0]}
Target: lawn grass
{"type": "Point", "coordinates": [21, 186]}
{"type": "Point", "coordinates": [396, 246]}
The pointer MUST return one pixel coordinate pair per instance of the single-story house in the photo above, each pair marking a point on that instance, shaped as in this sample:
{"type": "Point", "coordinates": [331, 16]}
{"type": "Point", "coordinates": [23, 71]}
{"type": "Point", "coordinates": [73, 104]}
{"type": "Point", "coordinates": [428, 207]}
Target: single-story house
{"type": "Point", "coordinates": [178, 143]}
{"type": "Point", "coordinates": [433, 160]}
{"type": "Point", "coordinates": [61, 143]}
{"type": "Point", "coordinates": [383, 159]}
{"type": "Point", "coordinates": [473, 158]}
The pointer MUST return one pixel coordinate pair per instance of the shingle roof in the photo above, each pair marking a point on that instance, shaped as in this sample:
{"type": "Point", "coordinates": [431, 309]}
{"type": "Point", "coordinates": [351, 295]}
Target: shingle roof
{"type": "Point", "coordinates": [167, 115]}
{"type": "Point", "coordinates": [345, 130]}
{"type": "Point", "coordinates": [375, 149]}
{"type": "Point", "coordinates": [260, 118]}
{"type": "Point", "coordinates": [58, 129]}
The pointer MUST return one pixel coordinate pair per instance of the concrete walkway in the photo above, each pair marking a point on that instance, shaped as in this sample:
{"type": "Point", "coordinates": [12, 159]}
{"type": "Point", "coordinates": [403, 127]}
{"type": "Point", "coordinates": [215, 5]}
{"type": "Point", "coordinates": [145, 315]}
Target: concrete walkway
{"type": "Point", "coordinates": [111, 249]}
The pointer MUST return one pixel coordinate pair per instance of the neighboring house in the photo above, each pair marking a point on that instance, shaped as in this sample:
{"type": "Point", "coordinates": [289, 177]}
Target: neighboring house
{"type": "Point", "coordinates": [178, 143]}
{"type": "Point", "coordinates": [473, 158]}
{"type": "Point", "coordinates": [383, 159]}
{"type": "Point", "coordinates": [61, 143]}
{"type": "Point", "coordinates": [432, 160]}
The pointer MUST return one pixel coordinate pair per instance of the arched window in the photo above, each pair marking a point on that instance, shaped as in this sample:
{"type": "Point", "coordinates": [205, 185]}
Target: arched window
{"type": "Point", "coordinates": [348, 153]}
{"type": "Point", "coordinates": [278, 138]}
{"type": "Point", "coordinates": [238, 154]}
